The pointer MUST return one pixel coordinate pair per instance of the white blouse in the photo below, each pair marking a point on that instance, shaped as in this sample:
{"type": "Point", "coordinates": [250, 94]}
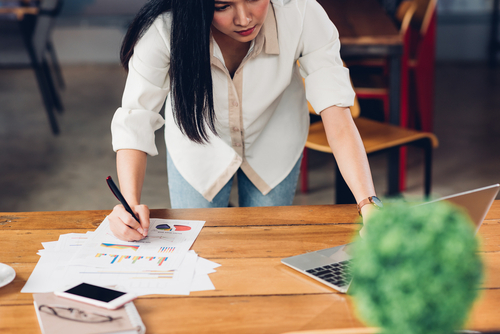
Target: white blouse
{"type": "Point", "coordinates": [261, 113]}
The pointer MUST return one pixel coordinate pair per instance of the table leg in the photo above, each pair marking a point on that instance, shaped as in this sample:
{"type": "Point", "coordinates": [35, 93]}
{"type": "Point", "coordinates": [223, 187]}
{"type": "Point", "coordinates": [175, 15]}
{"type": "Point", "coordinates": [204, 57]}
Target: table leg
{"type": "Point", "coordinates": [394, 94]}
{"type": "Point", "coordinates": [494, 43]}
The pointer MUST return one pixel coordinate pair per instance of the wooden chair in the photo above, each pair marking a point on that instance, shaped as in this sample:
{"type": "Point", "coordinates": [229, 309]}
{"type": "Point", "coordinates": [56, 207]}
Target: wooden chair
{"type": "Point", "coordinates": [36, 23]}
{"type": "Point", "coordinates": [371, 79]}
{"type": "Point", "coordinates": [377, 137]}
{"type": "Point", "coordinates": [418, 31]}
{"type": "Point", "coordinates": [370, 76]}
{"type": "Point", "coordinates": [422, 63]}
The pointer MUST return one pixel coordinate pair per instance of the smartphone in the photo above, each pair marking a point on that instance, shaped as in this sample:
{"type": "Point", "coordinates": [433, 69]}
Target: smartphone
{"type": "Point", "coordinates": [97, 295]}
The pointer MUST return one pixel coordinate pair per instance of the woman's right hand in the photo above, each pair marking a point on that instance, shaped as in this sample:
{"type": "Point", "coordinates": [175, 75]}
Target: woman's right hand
{"type": "Point", "coordinates": [125, 227]}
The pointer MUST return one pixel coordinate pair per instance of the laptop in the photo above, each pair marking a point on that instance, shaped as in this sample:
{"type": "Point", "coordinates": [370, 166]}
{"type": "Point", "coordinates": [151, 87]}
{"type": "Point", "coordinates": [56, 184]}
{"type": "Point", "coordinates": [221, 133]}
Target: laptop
{"type": "Point", "coordinates": [331, 266]}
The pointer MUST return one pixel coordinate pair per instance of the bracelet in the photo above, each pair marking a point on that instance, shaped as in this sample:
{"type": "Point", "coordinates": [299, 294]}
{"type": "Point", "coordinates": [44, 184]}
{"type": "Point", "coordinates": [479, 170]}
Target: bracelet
{"type": "Point", "coordinates": [374, 200]}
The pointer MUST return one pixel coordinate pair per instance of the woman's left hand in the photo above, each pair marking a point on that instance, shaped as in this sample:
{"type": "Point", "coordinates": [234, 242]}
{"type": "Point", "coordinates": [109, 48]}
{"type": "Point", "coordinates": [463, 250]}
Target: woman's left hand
{"type": "Point", "coordinates": [366, 211]}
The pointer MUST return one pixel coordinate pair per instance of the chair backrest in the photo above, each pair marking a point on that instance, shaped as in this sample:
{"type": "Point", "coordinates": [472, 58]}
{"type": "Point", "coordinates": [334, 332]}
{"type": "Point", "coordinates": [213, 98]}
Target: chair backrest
{"type": "Point", "coordinates": [408, 17]}
{"type": "Point", "coordinates": [423, 10]}
{"type": "Point", "coordinates": [430, 11]}
{"type": "Point", "coordinates": [404, 14]}
{"type": "Point", "coordinates": [421, 28]}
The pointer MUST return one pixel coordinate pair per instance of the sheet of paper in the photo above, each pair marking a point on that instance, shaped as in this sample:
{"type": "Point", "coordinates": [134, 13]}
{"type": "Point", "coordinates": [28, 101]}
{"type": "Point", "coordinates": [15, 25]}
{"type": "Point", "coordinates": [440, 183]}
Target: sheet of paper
{"type": "Point", "coordinates": [49, 245]}
{"type": "Point", "coordinates": [202, 283]}
{"type": "Point", "coordinates": [146, 282]}
{"type": "Point", "coordinates": [204, 266]}
{"type": "Point", "coordinates": [163, 249]}
{"type": "Point", "coordinates": [55, 272]}
{"type": "Point", "coordinates": [49, 273]}
{"type": "Point", "coordinates": [72, 241]}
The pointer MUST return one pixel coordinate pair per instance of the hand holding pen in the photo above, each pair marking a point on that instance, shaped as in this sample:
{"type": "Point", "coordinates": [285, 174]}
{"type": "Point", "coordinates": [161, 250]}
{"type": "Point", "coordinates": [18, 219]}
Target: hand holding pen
{"type": "Point", "coordinates": [126, 225]}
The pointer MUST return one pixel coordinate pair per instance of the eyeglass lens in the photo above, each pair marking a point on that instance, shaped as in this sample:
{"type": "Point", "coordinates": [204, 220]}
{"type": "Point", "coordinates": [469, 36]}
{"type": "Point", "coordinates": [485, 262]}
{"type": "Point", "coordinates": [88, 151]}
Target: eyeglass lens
{"type": "Point", "coordinates": [74, 314]}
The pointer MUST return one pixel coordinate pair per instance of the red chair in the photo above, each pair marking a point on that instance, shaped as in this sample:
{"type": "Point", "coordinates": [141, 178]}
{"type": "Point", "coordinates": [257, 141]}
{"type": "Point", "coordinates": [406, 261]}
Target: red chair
{"type": "Point", "coordinates": [370, 76]}
{"type": "Point", "coordinates": [418, 31]}
{"type": "Point", "coordinates": [371, 81]}
{"type": "Point", "coordinates": [422, 64]}
{"type": "Point", "coordinates": [377, 137]}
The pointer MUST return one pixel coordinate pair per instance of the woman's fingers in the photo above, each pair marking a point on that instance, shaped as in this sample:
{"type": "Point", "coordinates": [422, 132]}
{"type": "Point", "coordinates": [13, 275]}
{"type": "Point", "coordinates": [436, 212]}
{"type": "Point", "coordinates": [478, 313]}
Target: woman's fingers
{"type": "Point", "coordinates": [124, 226]}
{"type": "Point", "coordinates": [142, 212]}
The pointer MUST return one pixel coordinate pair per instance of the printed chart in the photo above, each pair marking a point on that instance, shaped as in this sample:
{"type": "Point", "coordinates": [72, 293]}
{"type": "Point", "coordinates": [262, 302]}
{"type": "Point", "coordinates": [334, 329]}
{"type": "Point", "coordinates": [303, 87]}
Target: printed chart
{"type": "Point", "coordinates": [118, 246]}
{"type": "Point", "coordinates": [165, 246]}
{"type": "Point", "coordinates": [116, 259]}
{"type": "Point", "coordinates": [175, 227]}
{"type": "Point", "coordinates": [166, 250]}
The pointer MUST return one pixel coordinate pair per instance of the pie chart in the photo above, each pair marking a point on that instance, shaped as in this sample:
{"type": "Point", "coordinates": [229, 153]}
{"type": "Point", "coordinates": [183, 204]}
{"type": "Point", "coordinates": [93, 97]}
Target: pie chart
{"type": "Point", "coordinates": [181, 228]}
{"type": "Point", "coordinates": [163, 227]}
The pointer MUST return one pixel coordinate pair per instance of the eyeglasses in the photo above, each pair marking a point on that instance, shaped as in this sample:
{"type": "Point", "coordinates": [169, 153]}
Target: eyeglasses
{"type": "Point", "coordinates": [74, 314]}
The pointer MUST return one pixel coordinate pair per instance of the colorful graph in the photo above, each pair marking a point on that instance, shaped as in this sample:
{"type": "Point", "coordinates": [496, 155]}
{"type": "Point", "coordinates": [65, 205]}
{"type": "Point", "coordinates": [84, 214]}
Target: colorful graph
{"type": "Point", "coordinates": [178, 228]}
{"type": "Point", "coordinates": [117, 246]}
{"type": "Point", "coordinates": [115, 259]}
{"type": "Point", "coordinates": [164, 227]}
{"type": "Point", "coordinates": [166, 250]}
{"type": "Point", "coordinates": [182, 227]}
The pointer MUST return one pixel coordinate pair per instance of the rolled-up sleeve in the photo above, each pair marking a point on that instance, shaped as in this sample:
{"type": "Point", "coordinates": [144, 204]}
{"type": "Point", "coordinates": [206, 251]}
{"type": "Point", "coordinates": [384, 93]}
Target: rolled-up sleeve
{"type": "Point", "coordinates": [326, 79]}
{"type": "Point", "coordinates": [146, 89]}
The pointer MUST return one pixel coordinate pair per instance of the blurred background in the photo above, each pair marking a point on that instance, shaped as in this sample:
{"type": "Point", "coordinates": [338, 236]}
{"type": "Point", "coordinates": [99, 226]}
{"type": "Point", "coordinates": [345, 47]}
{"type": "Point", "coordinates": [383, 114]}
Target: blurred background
{"type": "Point", "coordinates": [42, 171]}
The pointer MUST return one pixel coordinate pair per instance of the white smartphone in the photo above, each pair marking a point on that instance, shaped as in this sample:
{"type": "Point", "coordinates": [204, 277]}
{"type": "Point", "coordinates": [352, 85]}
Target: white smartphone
{"type": "Point", "coordinates": [97, 295]}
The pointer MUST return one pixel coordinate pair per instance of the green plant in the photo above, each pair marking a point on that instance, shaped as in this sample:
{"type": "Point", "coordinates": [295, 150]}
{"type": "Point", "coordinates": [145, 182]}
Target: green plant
{"type": "Point", "coordinates": [417, 270]}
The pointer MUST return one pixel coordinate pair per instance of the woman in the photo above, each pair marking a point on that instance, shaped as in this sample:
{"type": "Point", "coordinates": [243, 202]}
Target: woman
{"type": "Point", "coordinates": [235, 103]}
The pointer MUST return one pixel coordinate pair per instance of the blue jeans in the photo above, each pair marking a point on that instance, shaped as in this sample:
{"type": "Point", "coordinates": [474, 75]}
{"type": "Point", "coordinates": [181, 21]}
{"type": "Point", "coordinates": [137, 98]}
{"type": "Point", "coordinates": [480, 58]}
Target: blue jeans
{"type": "Point", "coordinates": [183, 195]}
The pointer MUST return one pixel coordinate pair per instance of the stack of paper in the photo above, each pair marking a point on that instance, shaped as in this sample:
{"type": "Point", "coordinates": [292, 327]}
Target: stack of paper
{"type": "Point", "coordinates": [159, 264]}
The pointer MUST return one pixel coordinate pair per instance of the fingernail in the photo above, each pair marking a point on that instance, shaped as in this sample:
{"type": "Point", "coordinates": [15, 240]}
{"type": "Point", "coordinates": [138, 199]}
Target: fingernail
{"type": "Point", "coordinates": [140, 230]}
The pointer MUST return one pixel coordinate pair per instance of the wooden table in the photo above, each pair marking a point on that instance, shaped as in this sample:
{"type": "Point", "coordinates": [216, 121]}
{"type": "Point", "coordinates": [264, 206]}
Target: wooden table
{"type": "Point", "coordinates": [366, 30]}
{"type": "Point", "coordinates": [254, 293]}
{"type": "Point", "coordinates": [18, 11]}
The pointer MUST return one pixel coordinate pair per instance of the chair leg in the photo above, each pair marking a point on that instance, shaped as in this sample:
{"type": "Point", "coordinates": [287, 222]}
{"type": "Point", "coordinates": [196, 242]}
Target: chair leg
{"type": "Point", "coordinates": [55, 64]}
{"type": "Point", "coordinates": [402, 168]}
{"type": "Point", "coordinates": [303, 173]}
{"type": "Point", "coordinates": [43, 78]}
{"type": "Point", "coordinates": [386, 107]}
{"type": "Point", "coordinates": [52, 89]}
{"type": "Point", "coordinates": [424, 76]}
{"type": "Point", "coordinates": [46, 98]}
{"type": "Point", "coordinates": [342, 191]}
{"type": "Point", "coordinates": [427, 168]}
{"type": "Point", "coordinates": [393, 186]}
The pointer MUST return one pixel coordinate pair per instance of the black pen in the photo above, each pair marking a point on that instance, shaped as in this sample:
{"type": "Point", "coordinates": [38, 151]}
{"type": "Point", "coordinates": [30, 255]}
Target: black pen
{"type": "Point", "coordinates": [120, 197]}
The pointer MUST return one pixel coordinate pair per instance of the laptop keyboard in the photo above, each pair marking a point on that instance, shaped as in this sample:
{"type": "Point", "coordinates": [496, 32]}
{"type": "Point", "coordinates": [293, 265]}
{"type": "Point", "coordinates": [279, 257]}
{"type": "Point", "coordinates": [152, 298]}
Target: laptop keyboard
{"type": "Point", "coordinates": [338, 274]}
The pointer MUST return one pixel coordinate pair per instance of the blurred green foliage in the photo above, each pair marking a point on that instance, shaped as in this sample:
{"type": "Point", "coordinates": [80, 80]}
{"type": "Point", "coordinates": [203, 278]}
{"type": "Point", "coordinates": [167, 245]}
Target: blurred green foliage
{"type": "Point", "coordinates": [417, 270]}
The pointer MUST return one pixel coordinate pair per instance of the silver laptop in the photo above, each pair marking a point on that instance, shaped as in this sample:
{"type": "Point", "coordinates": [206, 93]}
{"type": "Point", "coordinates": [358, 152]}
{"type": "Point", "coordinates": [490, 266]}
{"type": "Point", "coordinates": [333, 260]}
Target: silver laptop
{"type": "Point", "coordinates": [331, 266]}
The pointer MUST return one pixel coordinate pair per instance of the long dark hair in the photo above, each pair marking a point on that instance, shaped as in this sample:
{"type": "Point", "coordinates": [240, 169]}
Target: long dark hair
{"type": "Point", "coordinates": [190, 72]}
